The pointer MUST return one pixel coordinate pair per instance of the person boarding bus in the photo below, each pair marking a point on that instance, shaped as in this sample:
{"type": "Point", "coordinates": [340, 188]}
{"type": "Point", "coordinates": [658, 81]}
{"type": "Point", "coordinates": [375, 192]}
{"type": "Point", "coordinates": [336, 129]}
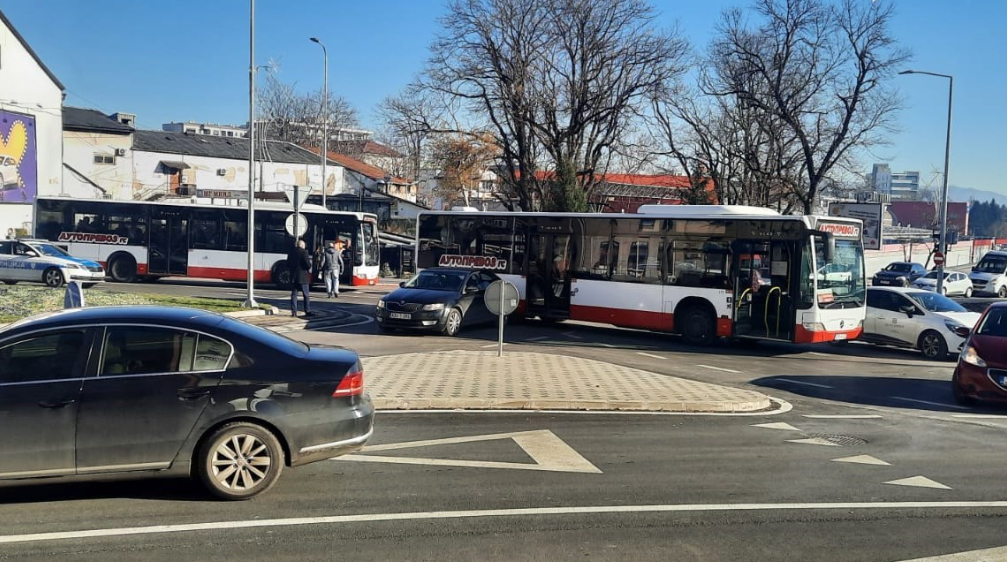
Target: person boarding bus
{"type": "Point", "coordinates": [332, 267]}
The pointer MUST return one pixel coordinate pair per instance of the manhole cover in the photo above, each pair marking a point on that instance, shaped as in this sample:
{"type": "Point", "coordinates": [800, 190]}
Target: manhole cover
{"type": "Point", "coordinates": [845, 440]}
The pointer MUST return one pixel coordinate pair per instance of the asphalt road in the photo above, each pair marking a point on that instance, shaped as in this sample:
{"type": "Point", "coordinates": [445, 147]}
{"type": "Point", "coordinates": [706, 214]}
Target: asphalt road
{"type": "Point", "coordinates": [874, 462]}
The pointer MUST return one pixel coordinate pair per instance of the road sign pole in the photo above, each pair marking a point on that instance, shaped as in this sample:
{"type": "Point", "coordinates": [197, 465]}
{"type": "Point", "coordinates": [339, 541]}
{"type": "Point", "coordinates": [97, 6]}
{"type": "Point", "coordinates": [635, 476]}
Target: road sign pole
{"type": "Point", "coordinates": [297, 212]}
{"type": "Point", "coordinates": [501, 326]}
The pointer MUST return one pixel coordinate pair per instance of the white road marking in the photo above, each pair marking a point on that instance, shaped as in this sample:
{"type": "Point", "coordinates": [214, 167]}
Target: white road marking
{"type": "Point", "coordinates": [819, 354]}
{"type": "Point", "coordinates": [814, 441]}
{"type": "Point", "coordinates": [844, 416]}
{"type": "Point", "coordinates": [929, 403]}
{"type": "Point", "coordinates": [573, 335]}
{"type": "Point", "coordinates": [998, 554]}
{"type": "Point", "coordinates": [492, 345]}
{"type": "Point", "coordinates": [651, 355]}
{"type": "Point", "coordinates": [814, 384]}
{"type": "Point", "coordinates": [783, 408]}
{"type": "Point", "coordinates": [718, 368]}
{"type": "Point", "coordinates": [550, 453]}
{"type": "Point", "coordinates": [779, 425]}
{"type": "Point", "coordinates": [919, 482]}
{"type": "Point", "coordinates": [863, 459]}
{"type": "Point", "coordinates": [537, 338]}
{"type": "Point", "coordinates": [481, 513]}
{"type": "Point", "coordinates": [981, 416]}
{"type": "Point", "coordinates": [604, 344]}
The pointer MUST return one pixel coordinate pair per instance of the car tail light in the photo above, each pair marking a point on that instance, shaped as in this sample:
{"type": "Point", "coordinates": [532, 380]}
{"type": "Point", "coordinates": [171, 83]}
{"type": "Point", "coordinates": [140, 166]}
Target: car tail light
{"type": "Point", "coordinates": [352, 384]}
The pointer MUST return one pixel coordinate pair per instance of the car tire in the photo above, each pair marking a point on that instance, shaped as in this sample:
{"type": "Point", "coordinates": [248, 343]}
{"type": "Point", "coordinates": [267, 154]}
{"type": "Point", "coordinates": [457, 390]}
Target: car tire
{"type": "Point", "coordinates": [53, 277]}
{"type": "Point", "coordinates": [697, 326]}
{"type": "Point", "coordinates": [239, 461]}
{"type": "Point", "coordinates": [960, 397]}
{"type": "Point", "coordinates": [932, 345]}
{"type": "Point", "coordinates": [122, 268]}
{"type": "Point", "coordinates": [1002, 293]}
{"type": "Point", "coordinates": [968, 293]}
{"type": "Point", "coordinates": [87, 285]}
{"type": "Point", "coordinates": [453, 323]}
{"type": "Point", "coordinates": [10, 282]}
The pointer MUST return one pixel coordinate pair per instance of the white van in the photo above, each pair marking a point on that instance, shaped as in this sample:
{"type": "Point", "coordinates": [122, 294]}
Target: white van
{"type": "Point", "coordinates": [990, 274]}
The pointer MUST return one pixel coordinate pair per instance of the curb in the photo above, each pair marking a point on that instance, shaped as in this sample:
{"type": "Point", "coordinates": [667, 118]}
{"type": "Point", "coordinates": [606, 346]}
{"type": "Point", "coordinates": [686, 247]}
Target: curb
{"type": "Point", "coordinates": [253, 312]}
{"type": "Point", "coordinates": [393, 404]}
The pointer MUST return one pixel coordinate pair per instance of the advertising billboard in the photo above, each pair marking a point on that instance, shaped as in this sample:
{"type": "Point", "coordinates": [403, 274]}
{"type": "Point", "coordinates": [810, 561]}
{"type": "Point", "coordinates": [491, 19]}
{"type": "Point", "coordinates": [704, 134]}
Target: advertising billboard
{"type": "Point", "coordinates": [869, 213]}
{"type": "Point", "coordinates": [18, 158]}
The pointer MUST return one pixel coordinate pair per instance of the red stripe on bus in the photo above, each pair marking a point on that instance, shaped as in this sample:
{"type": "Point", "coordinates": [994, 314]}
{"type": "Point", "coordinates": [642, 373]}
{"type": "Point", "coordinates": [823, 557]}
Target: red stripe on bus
{"type": "Point", "coordinates": [802, 335]}
{"type": "Point", "coordinates": [626, 318]}
{"type": "Point", "coordinates": [227, 274]}
{"type": "Point", "coordinates": [358, 280]}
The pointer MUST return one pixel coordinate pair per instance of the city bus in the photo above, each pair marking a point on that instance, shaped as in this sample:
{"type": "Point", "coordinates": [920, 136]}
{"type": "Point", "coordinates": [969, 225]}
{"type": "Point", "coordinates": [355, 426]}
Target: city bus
{"type": "Point", "coordinates": [146, 240]}
{"type": "Point", "coordinates": [703, 271]}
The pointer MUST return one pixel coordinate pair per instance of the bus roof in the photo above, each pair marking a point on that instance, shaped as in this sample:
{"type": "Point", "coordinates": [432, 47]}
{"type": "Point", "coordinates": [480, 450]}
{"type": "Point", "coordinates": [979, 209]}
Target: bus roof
{"type": "Point", "coordinates": [662, 211]}
{"type": "Point", "coordinates": [206, 202]}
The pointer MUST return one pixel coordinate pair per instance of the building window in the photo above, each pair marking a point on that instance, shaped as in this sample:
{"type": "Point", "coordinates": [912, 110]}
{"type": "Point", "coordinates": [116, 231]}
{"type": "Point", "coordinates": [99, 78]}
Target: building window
{"type": "Point", "coordinates": [104, 159]}
{"type": "Point", "coordinates": [193, 131]}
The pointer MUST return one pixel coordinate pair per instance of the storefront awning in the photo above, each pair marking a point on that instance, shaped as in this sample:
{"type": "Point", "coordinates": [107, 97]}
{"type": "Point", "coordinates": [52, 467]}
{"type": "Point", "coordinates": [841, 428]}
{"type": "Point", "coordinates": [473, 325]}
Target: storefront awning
{"type": "Point", "coordinates": [178, 165]}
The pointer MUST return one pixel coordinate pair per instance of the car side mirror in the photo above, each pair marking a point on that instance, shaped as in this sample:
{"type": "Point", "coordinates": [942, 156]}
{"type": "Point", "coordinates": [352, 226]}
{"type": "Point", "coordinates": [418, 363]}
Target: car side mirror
{"type": "Point", "coordinates": [963, 331]}
{"type": "Point", "coordinates": [908, 309]}
{"type": "Point", "coordinates": [471, 290]}
{"type": "Point", "coordinates": [402, 283]}
{"type": "Point", "coordinates": [31, 254]}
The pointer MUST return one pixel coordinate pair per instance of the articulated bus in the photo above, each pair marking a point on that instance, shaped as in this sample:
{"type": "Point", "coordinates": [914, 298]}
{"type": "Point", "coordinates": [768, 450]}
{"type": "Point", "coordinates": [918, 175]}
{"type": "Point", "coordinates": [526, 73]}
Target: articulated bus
{"type": "Point", "coordinates": [703, 271]}
{"type": "Point", "coordinates": [147, 240]}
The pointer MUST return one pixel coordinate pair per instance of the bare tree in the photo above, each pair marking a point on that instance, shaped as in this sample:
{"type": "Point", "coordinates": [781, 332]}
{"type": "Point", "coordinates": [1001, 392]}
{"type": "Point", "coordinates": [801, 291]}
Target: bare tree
{"type": "Point", "coordinates": [461, 162]}
{"type": "Point", "coordinates": [296, 117]}
{"type": "Point", "coordinates": [407, 126]}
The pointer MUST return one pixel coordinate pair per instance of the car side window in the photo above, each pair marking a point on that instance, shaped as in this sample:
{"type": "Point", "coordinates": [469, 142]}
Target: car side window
{"type": "Point", "coordinates": [472, 282]}
{"type": "Point", "coordinates": [484, 280]}
{"type": "Point", "coordinates": [875, 299]}
{"type": "Point", "coordinates": [51, 356]}
{"type": "Point", "coordinates": [902, 302]}
{"type": "Point", "coordinates": [212, 354]}
{"type": "Point", "coordinates": [140, 350]}
{"type": "Point", "coordinates": [6, 248]}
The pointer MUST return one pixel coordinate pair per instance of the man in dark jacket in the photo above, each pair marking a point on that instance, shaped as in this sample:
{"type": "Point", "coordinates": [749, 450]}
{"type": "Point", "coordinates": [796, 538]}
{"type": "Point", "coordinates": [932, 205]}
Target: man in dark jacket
{"type": "Point", "coordinates": [299, 263]}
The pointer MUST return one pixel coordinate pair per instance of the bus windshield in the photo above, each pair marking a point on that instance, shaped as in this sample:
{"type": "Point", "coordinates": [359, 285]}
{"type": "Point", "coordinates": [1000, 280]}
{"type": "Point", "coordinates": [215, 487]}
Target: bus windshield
{"type": "Point", "coordinates": [841, 280]}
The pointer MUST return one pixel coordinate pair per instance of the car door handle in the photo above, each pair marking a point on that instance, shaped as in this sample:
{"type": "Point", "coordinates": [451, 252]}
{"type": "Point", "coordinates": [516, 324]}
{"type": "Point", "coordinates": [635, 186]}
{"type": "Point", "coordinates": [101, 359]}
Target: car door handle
{"type": "Point", "coordinates": [57, 403]}
{"type": "Point", "coordinates": [193, 393]}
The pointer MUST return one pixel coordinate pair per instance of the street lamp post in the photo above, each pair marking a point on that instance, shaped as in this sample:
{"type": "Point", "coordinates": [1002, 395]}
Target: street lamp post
{"type": "Point", "coordinates": [250, 284]}
{"type": "Point", "coordinates": [325, 113]}
{"type": "Point", "coordinates": [942, 246]}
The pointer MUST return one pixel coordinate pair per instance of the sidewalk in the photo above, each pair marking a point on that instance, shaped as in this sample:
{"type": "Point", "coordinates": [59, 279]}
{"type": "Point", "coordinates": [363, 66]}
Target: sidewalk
{"type": "Point", "coordinates": [282, 321]}
{"type": "Point", "coordinates": [538, 381]}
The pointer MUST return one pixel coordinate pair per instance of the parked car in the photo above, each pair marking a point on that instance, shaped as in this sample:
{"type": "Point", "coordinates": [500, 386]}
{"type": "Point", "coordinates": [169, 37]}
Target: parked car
{"type": "Point", "coordinates": [955, 283]}
{"type": "Point", "coordinates": [173, 391]}
{"type": "Point", "coordinates": [899, 274]}
{"type": "Point", "coordinates": [989, 276]}
{"type": "Point", "coordinates": [916, 319]}
{"type": "Point", "coordinates": [39, 261]}
{"type": "Point", "coordinates": [981, 373]}
{"type": "Point", "coordinates": [440, 299]}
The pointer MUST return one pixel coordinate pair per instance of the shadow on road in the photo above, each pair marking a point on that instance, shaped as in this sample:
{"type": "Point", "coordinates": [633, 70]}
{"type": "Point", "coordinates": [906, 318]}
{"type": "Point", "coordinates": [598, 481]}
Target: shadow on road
{"type": "Point", "coordinates": [36, 491]}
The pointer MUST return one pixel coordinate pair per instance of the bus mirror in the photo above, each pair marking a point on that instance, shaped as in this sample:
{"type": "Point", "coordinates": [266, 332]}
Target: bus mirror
{"type": "Point", "coordinates": [828, 245]}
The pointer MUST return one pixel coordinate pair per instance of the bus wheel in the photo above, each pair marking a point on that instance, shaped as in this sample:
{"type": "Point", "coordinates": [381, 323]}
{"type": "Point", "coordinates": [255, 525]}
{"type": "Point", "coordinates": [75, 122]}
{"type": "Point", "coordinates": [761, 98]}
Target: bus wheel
{"type": "Point", "coordinates": [280, 275]}
{"type": "Point", "coordinates": [697, 326]}
{"type": "Point", "coordinates": [122, 268]}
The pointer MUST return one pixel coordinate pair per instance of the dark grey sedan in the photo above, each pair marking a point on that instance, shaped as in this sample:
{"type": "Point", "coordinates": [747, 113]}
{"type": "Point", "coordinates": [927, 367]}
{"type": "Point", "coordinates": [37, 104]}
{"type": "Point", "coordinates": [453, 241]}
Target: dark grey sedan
{"type": "Point", "coordinates": [175, 391]}
{"type": "Point", "coordinates": [440, 299]}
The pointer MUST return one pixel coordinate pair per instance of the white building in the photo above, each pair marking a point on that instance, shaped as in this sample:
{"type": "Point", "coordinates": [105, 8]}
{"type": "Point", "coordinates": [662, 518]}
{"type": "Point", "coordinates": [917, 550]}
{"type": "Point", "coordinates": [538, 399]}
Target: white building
{"type": "Point", "coordinates": [901, 186]}
{"type": "Point", "coordinates": [97, 154]}
{"type": "Point", "coordinates": [212, 129]}
{"type": "Point", "coordinates": [31, 140]}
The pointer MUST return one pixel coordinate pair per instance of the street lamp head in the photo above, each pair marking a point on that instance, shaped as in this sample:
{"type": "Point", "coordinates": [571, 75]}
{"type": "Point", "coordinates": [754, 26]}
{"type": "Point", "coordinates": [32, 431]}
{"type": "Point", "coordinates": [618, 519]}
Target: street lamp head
{"type": "Point", "coordinates": [314, 40]}
{"type": "Point", "coordinates": [908, 72]}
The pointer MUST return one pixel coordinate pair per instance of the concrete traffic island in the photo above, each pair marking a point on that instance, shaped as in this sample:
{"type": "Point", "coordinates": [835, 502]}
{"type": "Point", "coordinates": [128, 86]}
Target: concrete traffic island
{"type": "Point", "coordinates": [539, 381]}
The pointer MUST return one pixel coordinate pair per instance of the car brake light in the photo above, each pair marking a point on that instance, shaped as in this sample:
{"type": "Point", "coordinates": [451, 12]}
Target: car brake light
{"type": "Point", "coordinates": [351, 385]}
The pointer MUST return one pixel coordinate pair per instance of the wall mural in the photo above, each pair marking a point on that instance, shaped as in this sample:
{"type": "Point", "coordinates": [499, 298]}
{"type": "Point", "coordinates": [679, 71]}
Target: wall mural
{"type": "Point", "coordinates": [18, 158]}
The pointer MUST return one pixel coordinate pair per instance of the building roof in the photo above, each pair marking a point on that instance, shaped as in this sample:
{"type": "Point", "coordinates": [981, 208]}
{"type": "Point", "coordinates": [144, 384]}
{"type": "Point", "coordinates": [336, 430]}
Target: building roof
{"type": "Point", "coordinates": [232, 148]}
{"type": "Point", "coordinates": [365, 147]}
{"type": "Point", "coordinates": [363, 168]}
{"type": "Point", "coordinates": [31, 52]}
{"type": "Point", "coordinates": [83, 119]}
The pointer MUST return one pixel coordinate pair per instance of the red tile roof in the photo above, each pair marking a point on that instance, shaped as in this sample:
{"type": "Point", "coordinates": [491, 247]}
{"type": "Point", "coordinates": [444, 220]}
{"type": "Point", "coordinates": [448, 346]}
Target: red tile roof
{"type": "Point", "coordinates": [649, 180]}
{"type": "Point", "coordinates": [363, 168]}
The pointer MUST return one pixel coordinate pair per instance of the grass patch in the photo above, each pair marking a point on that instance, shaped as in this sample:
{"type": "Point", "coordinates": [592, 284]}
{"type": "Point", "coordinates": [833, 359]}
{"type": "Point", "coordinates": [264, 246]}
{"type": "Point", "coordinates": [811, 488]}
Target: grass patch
{"type": "Point", "coordinates": [19, 302]}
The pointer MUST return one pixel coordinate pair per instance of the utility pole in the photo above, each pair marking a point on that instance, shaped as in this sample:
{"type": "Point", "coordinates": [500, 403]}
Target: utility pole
{"type": "Point", "coordinates": [250, 298]}
{"type": "Point", "coordinates": [325, 114]}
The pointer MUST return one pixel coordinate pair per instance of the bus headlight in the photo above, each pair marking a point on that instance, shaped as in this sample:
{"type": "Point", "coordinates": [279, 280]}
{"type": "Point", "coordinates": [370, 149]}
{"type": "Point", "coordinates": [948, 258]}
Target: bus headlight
{"type": "Point", "coordinates": [814, 326]}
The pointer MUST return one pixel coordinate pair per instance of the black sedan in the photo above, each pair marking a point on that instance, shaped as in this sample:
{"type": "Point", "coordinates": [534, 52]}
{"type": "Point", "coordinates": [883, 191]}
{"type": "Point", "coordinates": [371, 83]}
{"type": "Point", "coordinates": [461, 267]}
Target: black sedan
{"type": "Point", "coordinates": [899, 274]}
{"type": "Point", "coordinates": [440, 299]}
{"type": "Point", "coordinates": [175, 391]}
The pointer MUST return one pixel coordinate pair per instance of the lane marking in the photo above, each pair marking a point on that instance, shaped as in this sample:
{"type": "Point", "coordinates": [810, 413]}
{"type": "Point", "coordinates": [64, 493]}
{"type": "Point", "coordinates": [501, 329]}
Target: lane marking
{"type": "Point", "coordinates": [819, 354]}
{"type": "Point", "coordinates": [919, 482]}
{"type": "Point", "coordinates": [981, 416]}
{"type": "Point", "coordinates": [844, 416]}
{"type": "Point", "coordinates": [482, 513]}
{"type": "Point", "coordinates": [998, 554]}
{"type": "Point", "coordinates": [782, 408]}
{"type": "Point", "coordinates": [929, 403]}
{"type": "Point", "coordinates": [606, 345]}
{"type": "Point", "coordinates": [718, 368]}
{"type": "Point", "coordinates": [492, 345]}
{"type": "Point", "coordinates": [863, 459]}
{"type": "Point", "coordinates": [537, 338]}
{"type": "Point", "coordinates": [814, 441]}
{"type": "Point", "coordinates": [651, 355]}
{"type": "Point", "coordinates": [549, 453]}
{"type": "Point", "coordinates": [779, 425]}
{"type": "Point", "coordinates": [573, 335]}
{"type": "Point", "coordinates": [792, 381]}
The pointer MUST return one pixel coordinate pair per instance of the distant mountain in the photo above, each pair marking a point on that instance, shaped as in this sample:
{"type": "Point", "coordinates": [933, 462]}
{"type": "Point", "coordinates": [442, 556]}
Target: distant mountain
{"type": "Point", "coordinates": [965, 194]}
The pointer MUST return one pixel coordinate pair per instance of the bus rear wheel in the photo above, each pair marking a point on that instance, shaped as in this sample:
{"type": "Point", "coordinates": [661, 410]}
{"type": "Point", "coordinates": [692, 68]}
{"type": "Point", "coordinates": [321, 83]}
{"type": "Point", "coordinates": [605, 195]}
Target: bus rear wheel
{"type": "Point", "coordinates": [122, 268]}
{"type": "Point", "coordinates": [280, 275]}
{"type": "Point", "coordinates": [697, 326]}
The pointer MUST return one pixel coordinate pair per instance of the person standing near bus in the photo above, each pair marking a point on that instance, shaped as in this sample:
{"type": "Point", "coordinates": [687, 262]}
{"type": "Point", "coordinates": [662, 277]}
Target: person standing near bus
{"type": "Point", "coordinates": [332, 267]}
{"type": "Point", "coordinates": [299, 263]}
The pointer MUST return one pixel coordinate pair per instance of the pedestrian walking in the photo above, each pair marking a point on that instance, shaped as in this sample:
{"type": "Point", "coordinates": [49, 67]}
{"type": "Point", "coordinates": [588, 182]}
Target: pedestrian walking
{"type": "Point", "coordinates": [299, 264]}
{"type": "Point", "coordinates": [11, 235]}
{"type": "Point", "coordinates": [332, 267]}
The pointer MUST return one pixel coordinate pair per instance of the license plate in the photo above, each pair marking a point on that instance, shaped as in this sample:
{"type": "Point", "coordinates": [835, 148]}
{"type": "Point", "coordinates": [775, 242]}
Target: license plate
{"type": "Point", "coordinates": [840, 337]}
{"type": "Point", "coordinates": [399, 315]}
{"type": "Point", "coordinates": [883, 282]}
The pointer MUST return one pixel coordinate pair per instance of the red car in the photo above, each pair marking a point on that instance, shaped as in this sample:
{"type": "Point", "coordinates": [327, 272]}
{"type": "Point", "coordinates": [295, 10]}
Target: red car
{"type": "Point", "coordinates": [981, 373]}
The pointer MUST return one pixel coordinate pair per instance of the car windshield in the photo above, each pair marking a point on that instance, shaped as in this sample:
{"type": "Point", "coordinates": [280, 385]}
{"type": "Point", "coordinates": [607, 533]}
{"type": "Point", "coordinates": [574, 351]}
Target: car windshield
{"type": "Point", "coordinates": [992, 265]}
{"type": "Point", "coordinates": [936, 303]}
{"type": "Point", "coordinates": [50, 250]}
{"type": "Point", "coordinates": [899, 267]}
{"type": "Point", "coordinates": [994, 324]}
{"type": "Point", "coordinates": [438, 281]}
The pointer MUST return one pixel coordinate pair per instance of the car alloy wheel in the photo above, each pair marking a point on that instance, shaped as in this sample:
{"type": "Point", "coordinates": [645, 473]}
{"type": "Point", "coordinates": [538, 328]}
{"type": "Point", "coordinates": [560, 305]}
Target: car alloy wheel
{"type": "Point", "coordinates": [933, 346]}
{"type": "Point", "coordinates": [453, 323]}
{"type": "Point", "coordinates": [968, 292]}
{"type": "Point", "coordinates": [1002, 293]}
{"type": "Point", "coordinates": [53, 277]}
{"type": "Point", "coordinates": [240, 461]}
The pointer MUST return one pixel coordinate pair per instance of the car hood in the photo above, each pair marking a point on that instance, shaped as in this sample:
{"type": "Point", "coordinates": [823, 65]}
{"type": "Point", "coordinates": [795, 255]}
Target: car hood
{"type": "Point", "coordinates": [982, 276]}
{"type": "Point", "coordinates": [964, 318]}
{"type": "Point", "coordinates": [926, 282]}
{"type": "Point", "coordinates": [82, 261]}
{"type": "Point", "coordinates": [892, 274]}
{"type": "Point", "coordinates": [420, 296]}
{"type": "Point", "coordinates": [993, 350]}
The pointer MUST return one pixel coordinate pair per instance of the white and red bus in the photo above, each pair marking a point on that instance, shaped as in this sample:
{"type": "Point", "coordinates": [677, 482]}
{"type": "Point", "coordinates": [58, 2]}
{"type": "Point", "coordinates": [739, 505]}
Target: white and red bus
{"type": "Point", "coordinates": [144, 240]}
{"type": "Point", "coordinates": [704, 271]}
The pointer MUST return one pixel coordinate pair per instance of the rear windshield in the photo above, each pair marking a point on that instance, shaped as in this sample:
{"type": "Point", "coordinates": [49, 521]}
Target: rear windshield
{"type": "Point", "coordinates": [994, 324]}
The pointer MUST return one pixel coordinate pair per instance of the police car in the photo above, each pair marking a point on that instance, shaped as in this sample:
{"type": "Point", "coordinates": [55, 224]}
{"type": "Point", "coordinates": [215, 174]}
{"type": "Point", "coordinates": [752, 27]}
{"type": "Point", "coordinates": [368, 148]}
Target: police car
{"type": "Point", "coordinates": [39, 261]}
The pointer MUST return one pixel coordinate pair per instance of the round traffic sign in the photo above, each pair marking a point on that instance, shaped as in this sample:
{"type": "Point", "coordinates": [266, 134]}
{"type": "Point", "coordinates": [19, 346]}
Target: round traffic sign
{"type": "Point", "coordinates": [938, 258]}
{"type": "Point", "coordinates": [510, 297]}
{"type": "Point", "coordinates": [302, 224]}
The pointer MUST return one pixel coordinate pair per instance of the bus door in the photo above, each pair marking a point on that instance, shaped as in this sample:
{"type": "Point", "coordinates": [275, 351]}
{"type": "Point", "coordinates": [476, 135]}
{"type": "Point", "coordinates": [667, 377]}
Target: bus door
{"type": "Point", "coordinates": [550, 261]}
{"type": "Point", "coordinates": [168, 251]}
{"type": "Point", "coordinates": [763, 300]}
{"type": "Point", "coordinates": [340, 230]}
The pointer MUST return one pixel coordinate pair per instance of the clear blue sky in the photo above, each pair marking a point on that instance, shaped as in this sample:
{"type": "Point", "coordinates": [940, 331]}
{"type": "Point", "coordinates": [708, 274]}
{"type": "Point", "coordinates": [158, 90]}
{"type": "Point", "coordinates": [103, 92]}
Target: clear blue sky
{"type": "Point", "coordinates": [187, 59]}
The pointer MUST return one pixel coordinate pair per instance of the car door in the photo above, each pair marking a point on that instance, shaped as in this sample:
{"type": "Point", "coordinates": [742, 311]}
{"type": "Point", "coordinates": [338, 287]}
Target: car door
{"type": "Point", "coordinates": [474, 303]}
{"type": "Point", "coordinates": [875, 298]}
{"type": "Point", "coordinates": [40, 381]}
{"type": "Point", "coordinates": [961, 283]}
{"type": "Point", "coordinates": [152, 385]}
{"type": "Point", "coordinates": [889, 321]}
{"type": "Point", "coordinates": [907, 328]}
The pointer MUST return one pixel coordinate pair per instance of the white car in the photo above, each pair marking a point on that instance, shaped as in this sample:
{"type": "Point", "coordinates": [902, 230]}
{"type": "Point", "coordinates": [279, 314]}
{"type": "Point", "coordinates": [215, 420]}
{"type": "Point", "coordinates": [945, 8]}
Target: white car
{"type": "Point", "coordinates": [990, 274]}
{"type": "Point", "coordinates": [924, 320]}
{"type": "Point", "coordinates": [955, 283]}
{"type": "Point", "coordinates": [42, 262]}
